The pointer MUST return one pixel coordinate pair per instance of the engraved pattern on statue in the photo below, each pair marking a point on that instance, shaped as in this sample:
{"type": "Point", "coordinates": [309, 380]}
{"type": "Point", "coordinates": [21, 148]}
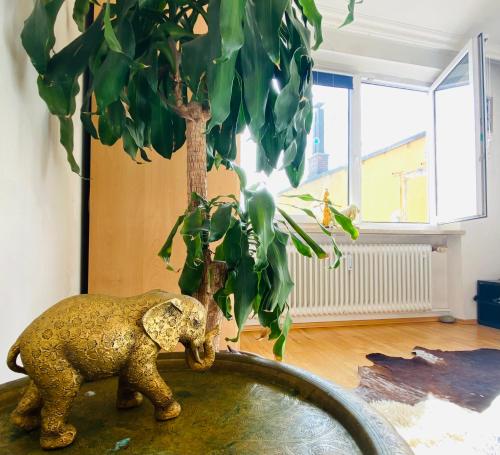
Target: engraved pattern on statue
{"type": "Point", "coordinates": [89, 337]}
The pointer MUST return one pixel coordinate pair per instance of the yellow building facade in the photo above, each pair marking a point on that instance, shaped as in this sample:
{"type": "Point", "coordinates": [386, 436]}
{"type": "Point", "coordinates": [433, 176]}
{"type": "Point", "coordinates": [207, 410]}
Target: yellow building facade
{"type": "Point", "coordinates": [394, 184]}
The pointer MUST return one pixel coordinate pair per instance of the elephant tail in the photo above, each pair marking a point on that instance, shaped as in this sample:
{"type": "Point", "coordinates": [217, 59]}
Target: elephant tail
{"type": "Point", "coordinates": [12, 356]}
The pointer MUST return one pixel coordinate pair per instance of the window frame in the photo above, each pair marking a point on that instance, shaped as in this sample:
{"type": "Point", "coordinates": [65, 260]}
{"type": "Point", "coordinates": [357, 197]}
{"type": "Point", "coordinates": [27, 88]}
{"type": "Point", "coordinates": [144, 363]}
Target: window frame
{"type": "Point", "coordinates": [354, 164]}
{"type": "Point", "coordinates": [357, 158]}
{"type": "Point", "coordinates": [475, 49]}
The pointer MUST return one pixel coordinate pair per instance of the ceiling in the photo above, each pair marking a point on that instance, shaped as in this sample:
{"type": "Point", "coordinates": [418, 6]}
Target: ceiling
{"type": "Point", "coordinates": [454, 17]}
{"type": "Point", "coordinates": [412, 40]}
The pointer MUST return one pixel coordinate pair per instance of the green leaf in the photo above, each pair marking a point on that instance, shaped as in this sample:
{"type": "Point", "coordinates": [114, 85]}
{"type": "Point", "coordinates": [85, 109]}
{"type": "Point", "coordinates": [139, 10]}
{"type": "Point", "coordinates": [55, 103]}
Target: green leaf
{"type": "Point", "coordinates": [268, 17]}
{"type": "Point", "coordinates": [288, 99]}
{"type": "Point", "coordinates": [221, 297]}
{"type": "Point", "coordinates": [129, 144]}
{"type": "Point", "coordinates": [245, 290]}
{"type": "Point", "coordinates": [231, 26]}
{"type": "Point", "coordinates": [257, 74]}
{"type": "Point", "coordinates": [195, 223]}
{"type": "Point", "coordinates": [299, 34]}
{"type": "Point", "coordinates": [109, 33]}
{"type": "Point", "coordinates": [338, 253]}
{"type": "Point", "coordinates": [136, 130]}
{"type": "Point", "coordinates": [242, 177]}
{"type": "Point", "coordinates": [314, 17]}
{"type": "Point", "coordinates": [110, 79]}
{"type": "Point", "coordinates": [270, 319]}
{"type": "Point", "coordinates": [144, 155]}
{"type": "Point", "coordinates": [220, 72]}
{"type": "Point", "coordinates": [350, 16]}
{"type": "Point", "coordinates": [161, 129]}
{"type": "Point", "coordinates": [66, 124]}
{"type": "Point", "coordinates": [112, 75]}
{"type": "Point", "coordinates": [261, 210]}
{"type": "Point", "coordinates": [80, 11]}
{"type": "Point", "coordinates": [231, 246]}
{"type": "Point", "coordinates": [111, 123]}
{"type": "Point", "coordinates": [37, 36]}
{"type": "Point", "coordinates": [72, 60]}
{"type": "Point", "coordinates": [271, 144]}
{"type": "Point", "coordinates": [290, 154]}
{"type": "Point", "coordinates": [301, 247]}
{"type": "Point", "coordinates": [220, 77]}
{"type": "Point", "coordinates": [318, 251]}
{"type": "Point", "coordinates": [221, 221]}
{"type": "Point", "coordinates": [166, 250]}
{"type": "Point", "coordinates": [279, 346]}
{"type": "Point", "coordinates": [295, 171]}
{"type": "Point", "coordinates": [192, 272]}
{"type": "Point", "coordinates": [222, 140]}
{"type": "Point", "coordinates": [302, 197]}
{"type": "Point", "coordinates": [140, 97]}
{"type": "Point", "coordinates": [281, 282]}
{"type": "Point", "coordinates": [58, 86]}
{"type": "Point", "coordinates": [345, 223]}
{"type": "Point", "coordinates": [175, 31]}
{"type": "Point", "coordinates": [196, 56]}
{"type": "Point", "coordinates": [123, 7]}
{"type": "Point", "coordinates": [88, 124]}
{"type": "Point", "coordinates": [60, 96]}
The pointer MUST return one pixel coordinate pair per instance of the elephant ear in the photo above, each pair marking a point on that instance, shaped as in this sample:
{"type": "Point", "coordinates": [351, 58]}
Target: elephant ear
{"type": "Point", "coordinates": [162, 323]}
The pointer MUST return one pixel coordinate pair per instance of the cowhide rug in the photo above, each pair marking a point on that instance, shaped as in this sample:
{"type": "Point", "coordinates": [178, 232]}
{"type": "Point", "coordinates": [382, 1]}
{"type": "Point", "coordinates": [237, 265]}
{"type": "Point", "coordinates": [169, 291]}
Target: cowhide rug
{"type": "Point", "coordinates": [470, 379]}
{"type": "Point", "coordinates": [440, 402]}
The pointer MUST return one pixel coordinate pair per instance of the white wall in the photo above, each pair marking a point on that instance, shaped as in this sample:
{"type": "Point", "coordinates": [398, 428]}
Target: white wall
{"type": "Point", "coordinates": [39, 195]}
{"type": "Point", "coordinates": [480, 249]}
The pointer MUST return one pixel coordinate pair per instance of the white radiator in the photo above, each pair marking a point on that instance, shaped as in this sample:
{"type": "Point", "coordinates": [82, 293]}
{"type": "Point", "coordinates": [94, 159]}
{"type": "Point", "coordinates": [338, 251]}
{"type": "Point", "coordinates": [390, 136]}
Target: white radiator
{"type": "Point", "coordinates": [370, 279]}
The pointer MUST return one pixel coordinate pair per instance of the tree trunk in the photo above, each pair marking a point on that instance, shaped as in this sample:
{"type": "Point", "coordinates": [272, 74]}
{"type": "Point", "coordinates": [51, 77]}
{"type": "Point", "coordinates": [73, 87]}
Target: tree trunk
{"type": "Point", "coordinates": [196, 154]}
{"type": "Point", "coordinates": [214, 273]}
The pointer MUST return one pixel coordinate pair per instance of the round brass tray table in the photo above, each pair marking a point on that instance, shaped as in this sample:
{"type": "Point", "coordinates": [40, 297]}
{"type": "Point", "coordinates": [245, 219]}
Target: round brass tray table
{"type": "Point", "coordinates": [244, 405]}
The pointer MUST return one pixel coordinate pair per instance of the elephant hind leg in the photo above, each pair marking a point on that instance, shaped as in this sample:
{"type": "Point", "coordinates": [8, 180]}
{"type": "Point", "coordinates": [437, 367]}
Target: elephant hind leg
{"type": "Point", "coordinates": [57, 400]}
{"type": "Point", "coordinates": [27, 413]}
{"type": "Point", "coordinates": [127, 397]}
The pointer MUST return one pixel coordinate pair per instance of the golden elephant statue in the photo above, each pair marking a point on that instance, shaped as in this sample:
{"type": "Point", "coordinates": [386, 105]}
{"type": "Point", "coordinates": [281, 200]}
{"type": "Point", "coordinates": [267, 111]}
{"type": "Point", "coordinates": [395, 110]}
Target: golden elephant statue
{"type": "Point", "coordinates": [89, 337]}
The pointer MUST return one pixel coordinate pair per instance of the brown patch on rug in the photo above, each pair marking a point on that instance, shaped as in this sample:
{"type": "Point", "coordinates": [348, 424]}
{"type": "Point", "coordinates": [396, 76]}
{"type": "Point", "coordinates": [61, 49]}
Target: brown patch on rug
{"type": "Point", "coordinates": [470, 379]}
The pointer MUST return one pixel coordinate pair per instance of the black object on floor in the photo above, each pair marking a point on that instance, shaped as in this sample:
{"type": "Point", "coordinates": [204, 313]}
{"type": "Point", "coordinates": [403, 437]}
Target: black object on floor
{"type": "Point", "coordinates": [488, 303]}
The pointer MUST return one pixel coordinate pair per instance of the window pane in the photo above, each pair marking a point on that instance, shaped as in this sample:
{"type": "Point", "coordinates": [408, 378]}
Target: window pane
{"type": "Point", "coordinates": [456, 162]}
{"type": "Point", "coordinates": [326, 154]}
{"type": "Point", "coordinates": [394, 165]}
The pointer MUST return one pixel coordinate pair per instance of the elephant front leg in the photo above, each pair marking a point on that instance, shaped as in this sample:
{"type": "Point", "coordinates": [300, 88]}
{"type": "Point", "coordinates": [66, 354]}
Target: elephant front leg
{"type": "Point", "coordinates": [127, 397]}
{"type": "Point", "coordinates": [27, 413]}
{"type": "Point", "coordinates": [141, 375]}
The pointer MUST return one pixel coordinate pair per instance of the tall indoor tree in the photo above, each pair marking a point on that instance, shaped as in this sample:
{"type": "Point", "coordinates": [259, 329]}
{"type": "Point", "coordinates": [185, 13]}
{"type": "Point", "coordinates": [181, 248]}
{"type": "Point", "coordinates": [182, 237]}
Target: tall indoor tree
{"type": "Point", "coordinates": [159, 83]}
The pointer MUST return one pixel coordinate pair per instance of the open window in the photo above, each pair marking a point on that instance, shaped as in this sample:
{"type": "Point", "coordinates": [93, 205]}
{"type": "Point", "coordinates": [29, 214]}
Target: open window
{"type": "Point", "coordinates": [402, 154]}
{"type": "Point", "coordinates": [458, 97]}
{"type": "Point", "coordinates": [394, 178]}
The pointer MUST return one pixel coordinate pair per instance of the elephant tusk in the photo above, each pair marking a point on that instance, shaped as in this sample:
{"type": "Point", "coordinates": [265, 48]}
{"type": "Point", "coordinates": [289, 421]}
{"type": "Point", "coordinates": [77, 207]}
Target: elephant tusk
{"type": "Point", "coordinates": [196, 355]}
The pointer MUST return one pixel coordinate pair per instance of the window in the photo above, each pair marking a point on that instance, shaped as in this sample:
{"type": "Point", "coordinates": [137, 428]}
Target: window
{"type": "Point", "coordinates": [394, 183]}
{"type": "Point", "coordinates": [401, 154]}
{"type": "Point", "coordinates": [460, 137]}
{"type": "Point", "coordinates": [327, 153]}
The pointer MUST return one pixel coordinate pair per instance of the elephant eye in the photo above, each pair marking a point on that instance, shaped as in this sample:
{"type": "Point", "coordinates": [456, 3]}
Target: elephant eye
{"type": "Point", "coordinates": [196, 322]}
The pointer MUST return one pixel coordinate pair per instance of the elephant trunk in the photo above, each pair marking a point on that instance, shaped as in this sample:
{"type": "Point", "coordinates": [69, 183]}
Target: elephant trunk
{"type": "Point", "coordinates": [197, 362]}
